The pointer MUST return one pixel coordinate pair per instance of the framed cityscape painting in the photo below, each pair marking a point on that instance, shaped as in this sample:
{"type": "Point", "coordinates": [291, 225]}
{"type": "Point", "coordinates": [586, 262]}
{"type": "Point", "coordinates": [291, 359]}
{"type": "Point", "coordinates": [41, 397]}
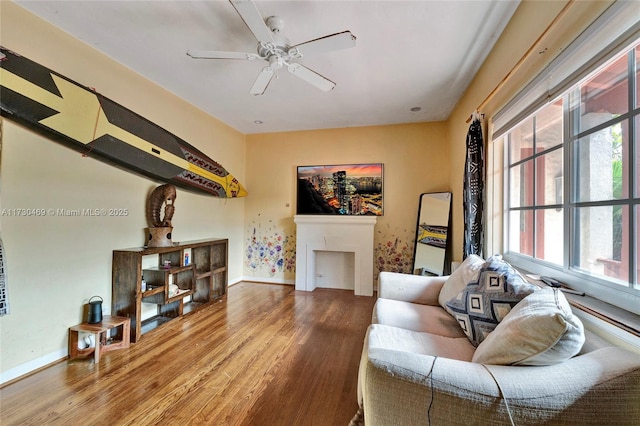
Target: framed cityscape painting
{"type": "Point", "coordinates": [343, 189]}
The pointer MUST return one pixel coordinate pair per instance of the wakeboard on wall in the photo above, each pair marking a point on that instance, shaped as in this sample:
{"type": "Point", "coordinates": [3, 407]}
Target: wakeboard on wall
{"type": "Point", "coordinates": [98, 127]}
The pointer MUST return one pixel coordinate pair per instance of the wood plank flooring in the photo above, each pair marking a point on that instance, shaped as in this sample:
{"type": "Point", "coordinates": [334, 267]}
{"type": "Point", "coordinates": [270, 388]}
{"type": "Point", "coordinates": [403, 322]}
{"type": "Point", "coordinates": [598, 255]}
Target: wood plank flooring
{"type": "Point", "coordinates": [267, 355]}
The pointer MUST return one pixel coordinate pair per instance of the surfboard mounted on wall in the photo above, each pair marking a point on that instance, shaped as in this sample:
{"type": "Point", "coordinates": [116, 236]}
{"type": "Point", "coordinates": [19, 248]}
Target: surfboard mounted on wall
{"type": "Point", "coordinates": [100, 128]}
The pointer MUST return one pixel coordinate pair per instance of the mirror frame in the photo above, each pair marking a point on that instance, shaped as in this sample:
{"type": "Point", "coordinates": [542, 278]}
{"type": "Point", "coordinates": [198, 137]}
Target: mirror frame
{"type": "Point", "coordinates": [443, 227]}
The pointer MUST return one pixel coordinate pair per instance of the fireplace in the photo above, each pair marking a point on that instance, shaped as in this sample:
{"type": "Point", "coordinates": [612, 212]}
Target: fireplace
{"type": "Point", "coordinates": [346, 234]}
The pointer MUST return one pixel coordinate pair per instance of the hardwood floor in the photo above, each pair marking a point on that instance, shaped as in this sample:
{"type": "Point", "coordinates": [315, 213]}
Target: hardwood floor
{"type": "Point", "coordinates": [268, 355]}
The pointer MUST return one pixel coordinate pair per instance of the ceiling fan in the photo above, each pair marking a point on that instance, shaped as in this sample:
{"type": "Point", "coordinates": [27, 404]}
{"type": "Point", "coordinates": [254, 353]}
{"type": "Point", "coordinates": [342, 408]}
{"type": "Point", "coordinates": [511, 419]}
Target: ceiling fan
{"type": "Point", "coordinates": [277, 50]}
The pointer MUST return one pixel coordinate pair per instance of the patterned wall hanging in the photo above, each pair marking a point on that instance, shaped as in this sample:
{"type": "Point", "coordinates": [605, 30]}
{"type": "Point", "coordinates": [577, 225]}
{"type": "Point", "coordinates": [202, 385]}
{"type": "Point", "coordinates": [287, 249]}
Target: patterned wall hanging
{"type": "Point", "coordinates": [4, 296]}
{"type": "Point", "coordinates": [473, 195]}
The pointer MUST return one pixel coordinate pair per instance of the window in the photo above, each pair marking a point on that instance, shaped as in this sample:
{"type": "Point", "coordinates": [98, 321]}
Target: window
{"type": "Point", "coordinates": [572, 182]}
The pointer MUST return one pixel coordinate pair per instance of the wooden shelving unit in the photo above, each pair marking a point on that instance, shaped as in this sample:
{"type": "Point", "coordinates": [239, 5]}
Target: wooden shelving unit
{"type": "Point", "coordinates": [200, 282]}
{"type": "Point", "coordinates": [102, 343]}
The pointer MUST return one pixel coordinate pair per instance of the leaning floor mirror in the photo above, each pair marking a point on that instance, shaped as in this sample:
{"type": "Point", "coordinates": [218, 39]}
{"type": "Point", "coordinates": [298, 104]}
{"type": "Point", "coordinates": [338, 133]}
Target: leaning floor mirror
{"type": "Point", "coordinates": [431, 251]}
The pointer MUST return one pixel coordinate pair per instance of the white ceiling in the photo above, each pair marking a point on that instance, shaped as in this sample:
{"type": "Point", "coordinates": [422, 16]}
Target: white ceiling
{"type": "Point", "coordinates": [408, 54]}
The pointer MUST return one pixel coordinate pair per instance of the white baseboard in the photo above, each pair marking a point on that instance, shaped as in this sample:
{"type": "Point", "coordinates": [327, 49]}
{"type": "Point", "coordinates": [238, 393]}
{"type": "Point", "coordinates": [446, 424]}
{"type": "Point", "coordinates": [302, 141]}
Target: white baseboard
{"type": "Point", "coordinates": [268, 280]}
{"type": "Point", "coordinates": [234, 281]}
{"type": "Point", "coordinates": [261, 280]}
{"type": "Point", "coordinates": [33, 365]}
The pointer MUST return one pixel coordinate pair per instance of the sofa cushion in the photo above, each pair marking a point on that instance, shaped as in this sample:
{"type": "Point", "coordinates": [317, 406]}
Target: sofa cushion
{"type": "Point", "coordinates": [483, 303]}
{"type": "Point", "coordinates": [399, 339]}
{"type": "Point", "coordinates": [416, 317]}
{"type": "Point", "coordinates": [410, 288]}
{"type": "Point", "coordinates": [540, 330]}
{"type": "Point", "coordinates": [464, 274]}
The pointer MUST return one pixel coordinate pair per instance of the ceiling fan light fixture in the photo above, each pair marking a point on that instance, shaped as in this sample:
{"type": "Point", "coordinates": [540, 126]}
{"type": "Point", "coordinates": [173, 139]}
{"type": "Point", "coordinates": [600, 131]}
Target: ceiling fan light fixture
{"type": "Point", "coordinates": [276, 62]}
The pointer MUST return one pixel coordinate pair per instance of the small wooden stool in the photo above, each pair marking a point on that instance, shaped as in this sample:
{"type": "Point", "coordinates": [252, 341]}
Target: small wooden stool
{"type": "Point", "coordinates": [98, 330]}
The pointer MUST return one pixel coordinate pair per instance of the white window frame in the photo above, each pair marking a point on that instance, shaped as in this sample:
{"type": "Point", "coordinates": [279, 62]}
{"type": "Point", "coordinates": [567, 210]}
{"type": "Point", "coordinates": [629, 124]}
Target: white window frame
{"type": "Point", "coordinates": [611, 34]}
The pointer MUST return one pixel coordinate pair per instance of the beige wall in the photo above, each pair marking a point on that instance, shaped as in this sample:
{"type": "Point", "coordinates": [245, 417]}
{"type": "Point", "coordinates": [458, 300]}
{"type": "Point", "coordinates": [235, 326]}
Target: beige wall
{"type": "Point", "coordinates": [55, 264]}
{"type": "Point", "coordinates": [415, 158]}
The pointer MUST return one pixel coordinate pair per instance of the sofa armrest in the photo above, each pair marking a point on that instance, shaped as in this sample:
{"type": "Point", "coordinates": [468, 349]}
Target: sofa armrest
{"type": "Point", "coordinates": [410, 288]}
{"type": "Point", "coordinates": [601, 387]}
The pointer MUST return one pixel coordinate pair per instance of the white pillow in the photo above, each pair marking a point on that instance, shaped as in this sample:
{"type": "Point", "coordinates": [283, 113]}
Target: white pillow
{"type": "Point", "coordinates": [463, 275]}
{"type": "Point", "coordinates": [539, 330]}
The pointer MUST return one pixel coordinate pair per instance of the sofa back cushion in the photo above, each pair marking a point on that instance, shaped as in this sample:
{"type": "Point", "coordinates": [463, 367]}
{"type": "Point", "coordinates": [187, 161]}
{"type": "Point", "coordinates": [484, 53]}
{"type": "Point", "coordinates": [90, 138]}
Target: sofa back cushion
{"type": "Point", "coordinates": [416, 317]}
{"type": "Point", "coordinates": [464, 274]}
{"type": "Point", "coordinates": [540, 330]}
{"type": "Point", "coordinates": [483, 303]}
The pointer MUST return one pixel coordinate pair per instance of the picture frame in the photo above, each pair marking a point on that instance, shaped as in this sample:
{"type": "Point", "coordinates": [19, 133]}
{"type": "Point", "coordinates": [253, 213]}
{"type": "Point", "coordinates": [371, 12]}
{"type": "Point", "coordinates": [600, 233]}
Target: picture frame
{"type": "Point", "coordinates": [341, 189]}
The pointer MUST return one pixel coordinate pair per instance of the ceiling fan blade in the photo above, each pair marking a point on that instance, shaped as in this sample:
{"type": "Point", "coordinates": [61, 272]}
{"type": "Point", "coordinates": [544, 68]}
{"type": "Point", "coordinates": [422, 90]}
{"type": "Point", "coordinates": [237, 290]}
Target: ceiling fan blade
{"type": "Point", "coordinates": [214, 54]}
{"type": "Point", "coordinates": [311, 77]}
{"type": "Point", "coordinates": [338, 41]}
{"type": "Point", "coordinates": [250, 14]}
{"type": "Point", "coordinates": [263, 80]}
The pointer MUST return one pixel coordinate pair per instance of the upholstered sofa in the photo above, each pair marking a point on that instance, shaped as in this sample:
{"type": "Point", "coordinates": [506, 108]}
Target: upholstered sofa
{"type": "Point", "coordinates": [419, 367]}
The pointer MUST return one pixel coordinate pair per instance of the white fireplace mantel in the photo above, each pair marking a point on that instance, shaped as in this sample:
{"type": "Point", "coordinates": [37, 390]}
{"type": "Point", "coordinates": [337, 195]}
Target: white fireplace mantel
{"type": "Point", "coordinates": [349, 234]}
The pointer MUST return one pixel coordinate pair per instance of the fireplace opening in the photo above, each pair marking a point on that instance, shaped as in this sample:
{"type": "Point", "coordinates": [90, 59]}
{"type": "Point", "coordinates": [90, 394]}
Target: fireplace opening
{"type": "Point", "coordinates": [335, 269]}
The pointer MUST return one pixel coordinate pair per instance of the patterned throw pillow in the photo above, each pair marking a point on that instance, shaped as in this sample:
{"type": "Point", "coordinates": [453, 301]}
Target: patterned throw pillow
{"type": "Point", "coordinates": [483, 303]}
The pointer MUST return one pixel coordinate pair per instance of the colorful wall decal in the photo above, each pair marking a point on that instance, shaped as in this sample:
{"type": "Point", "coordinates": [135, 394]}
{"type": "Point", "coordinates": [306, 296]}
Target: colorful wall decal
{"type": "Point", "coordinates": [393, 250]}
{"type": "Point", "coordinates": [98, 127]}
{"type": "Point", "coordinates": [270, 250]}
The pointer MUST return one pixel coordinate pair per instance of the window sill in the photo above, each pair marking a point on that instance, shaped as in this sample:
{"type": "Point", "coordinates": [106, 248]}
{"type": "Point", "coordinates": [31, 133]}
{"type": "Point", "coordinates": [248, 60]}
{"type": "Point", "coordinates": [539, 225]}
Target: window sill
{"type": "Point", "coordinates": [606, 312]}
{"type": "Point", "coordinates": [610, 314]}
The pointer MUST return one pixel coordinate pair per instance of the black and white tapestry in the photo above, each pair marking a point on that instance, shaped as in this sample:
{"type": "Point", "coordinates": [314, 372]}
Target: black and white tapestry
{"type": "Point", "coordinates": [473, 196]}
{"type": "Point", "coordinates": [4, 297]}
